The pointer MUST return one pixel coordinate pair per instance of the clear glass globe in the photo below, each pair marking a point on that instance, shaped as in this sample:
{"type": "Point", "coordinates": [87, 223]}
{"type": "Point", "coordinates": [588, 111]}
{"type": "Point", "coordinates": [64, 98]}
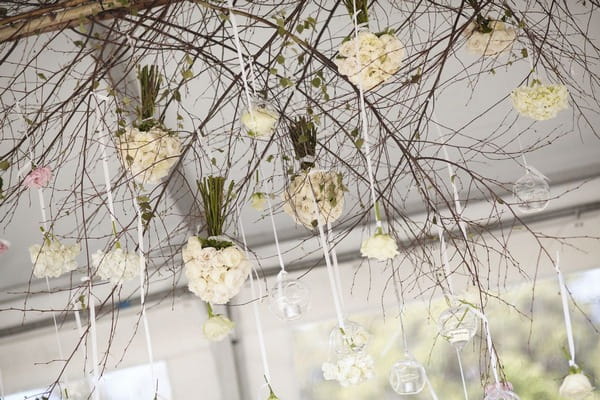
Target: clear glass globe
{"type": "Point", "coordinates": [259, 119]}
{"type": "Point", "coordinates": [503, 391]}
{"type": "Point", "coordinates": [531, 193]}
{"type": "Point", "coordinates": [352, 339]}
{"type": "Point", "coordinates": [407, 376]}
{"type": "Point", "coordinates": [458, 325]}
{"type": "Point", "coordinates": [289, 298]}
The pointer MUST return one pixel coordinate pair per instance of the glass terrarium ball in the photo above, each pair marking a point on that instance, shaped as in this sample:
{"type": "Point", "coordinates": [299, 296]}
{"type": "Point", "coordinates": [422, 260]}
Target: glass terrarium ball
{"type": "Point", "coordinates": [353, 338]}
{"type": "Point", "coordinates": [259, 119]}
{"type": "Point", "coordinates": [531, 192]}
{"type": "Point", "coordinates": [502, 391]}
{"type": "Point", "coordinates": [407, 376]}
{"type": "Point", "coordinates": [458, 325]}
{"type": "Point", "coordinates": [289, 299]}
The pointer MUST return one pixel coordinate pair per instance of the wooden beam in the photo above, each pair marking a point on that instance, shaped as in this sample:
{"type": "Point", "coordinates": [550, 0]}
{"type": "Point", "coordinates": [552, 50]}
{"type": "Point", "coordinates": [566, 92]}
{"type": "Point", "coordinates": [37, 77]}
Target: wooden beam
{"type": "Point", "coordinates": [68, 14]}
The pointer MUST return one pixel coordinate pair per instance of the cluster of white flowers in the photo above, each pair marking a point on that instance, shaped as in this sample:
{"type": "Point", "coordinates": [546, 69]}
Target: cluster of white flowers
{"type": "Point", "coordinates": [149, 155]}
{"type": "Point", "coordinates": [499, 40]}
{"type": "Point", "coordinates": [380, 246]}
{"type": "Point", "coordinates": [349, 370]}
{"type": "Point", "coordinates": [52, 259]}
{"type": "Point", "coordinates": [576, 387]}
{"type": "Point", "coordinates": [214, 275]}
{"type": "Point", "coordinates": [540, 102]}
{"type": "Point", "coordinates": [377, 59]}
{"type": "Point", "coordinates": [116, 265]}
{"type": "Point", "coordinates": [217, 327]}
{"type": "Point", "coordinates": [259, 120]}
{"type": "Point", "coordinates": [258, 201]}
{"type": "Point", "coordinates": [323, 187]}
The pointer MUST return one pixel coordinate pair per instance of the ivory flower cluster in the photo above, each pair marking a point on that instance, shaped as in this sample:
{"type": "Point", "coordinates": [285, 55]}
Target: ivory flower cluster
{"type": "Point", "coordinates": [324, 188]}
{"type": "Point", "coordinates": [498, 40]}
{"type": "Point", "coordinates": [149, 155]}
{"type": "Point", "coordinates": [370, 59]}
{"type": "Point", "coordinates": [350, 370]}
{"type": "Point", "coordinates": [214, 275]}
{"type": "Point", "coordinates": [116, 265]}
{"type": "Point", "coordinates": [217, 327]}
{"type": "Point", "coordinates": [52, 259]}
{"type": "Point", "coordinates": [380, 246]}
{"type": "Point", "coordinates": [540, 102]}
{"type": "Point", "coordinates": [259, 120]}
{"type": "Point", "coordinates": [576, 387]}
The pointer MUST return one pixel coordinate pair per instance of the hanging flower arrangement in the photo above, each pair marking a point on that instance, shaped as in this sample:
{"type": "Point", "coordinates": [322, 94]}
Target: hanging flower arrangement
{"type": "Point", "coordinates": [368, 59]}
{"type": "Point", "coordinates": [488, 37]}
{"type": "Point", "coordinates": [148, 148]}
{"type": "Point", "coordinates": [349, 370]}
{"type": "Point", "coordinates": [116, 265]}
{"type": "Point", "coordinates": [38, 178]}
{"type": "Point", "coordinates": [539, 101]}
{"type": "Point", "coordinates": [381, 246]}
{"type": "Point", "coordinates": [576, 386]}
{"type": "Point", "coordinates": [52, 258]}
{"type": "Point", "coordinates": [216, 327]}
{"type": "Point", "coordinates": [311, 193]}
{"type": "Point", "coordinates": [215, 268]}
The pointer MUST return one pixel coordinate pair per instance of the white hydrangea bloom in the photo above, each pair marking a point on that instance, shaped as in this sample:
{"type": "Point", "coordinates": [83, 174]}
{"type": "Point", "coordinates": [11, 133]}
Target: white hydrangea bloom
{"type": "Point", "coordinates": [498, 41]}
{"type": "Point", "coordinates": [214, 275]}
{"type": "Point", "coordinates": [350, 370]}
{"type": "Point", "coordinates": [116, 265]}
{"type": "Point", "coordinates": [540, 102]}
{"type": "Point", "coordinates": [324, 187]}
{"type": "Point", "coordinates": [149, 155]}
{"type": "Point", "coordinates": [377, 58]}
{"type": "Point", "coordinates": [52, 259]}
{"type": "Point", "coordinates": [380, 246]}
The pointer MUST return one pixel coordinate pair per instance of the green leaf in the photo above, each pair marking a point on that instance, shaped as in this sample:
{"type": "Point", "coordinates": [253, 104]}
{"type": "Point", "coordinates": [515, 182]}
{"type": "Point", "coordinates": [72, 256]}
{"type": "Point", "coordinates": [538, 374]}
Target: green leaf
{"type": "Point", "coordinates": [524, 53]}
{"type": "Point", "coordinates": [359, 143]}
{"type": "Point", "coordinates": [42, 76]}
{"type": "Point", "coordinates": [285, 82]}
{"type": "Point", "coordinates": [316, 82]}
{"type": "Point", "coordinates": [78, 43]}
{"type": "Point", "coordinates": [177, 95]}
{"type": "Point", "coordinates": [187, 74]}
{"type": "Point", "coordinates": [4, 165]}
{"type": "Point", "coordinates": [280, 59]}
{"type": "Point", "coordinates": [273, 71]}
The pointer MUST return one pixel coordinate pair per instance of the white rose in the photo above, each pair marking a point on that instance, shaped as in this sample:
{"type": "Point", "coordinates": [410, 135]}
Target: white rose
{"type": "Point", "coordinates": [231, 256]}
{"type": "Point", "coordinates": [259, 121]}
{"type": "Point", "coordinates": [576, 387]}
{"type": "Point", "coordinates": [116, 265]}
{"type": "Point", "coordinates": [192, 249]}
{"type": "Point", "coordinates": [217, 327]}
{"type": "Point", "coordinates": [258, 201]}
{"type": "Point", "coordinates": [380, 246]}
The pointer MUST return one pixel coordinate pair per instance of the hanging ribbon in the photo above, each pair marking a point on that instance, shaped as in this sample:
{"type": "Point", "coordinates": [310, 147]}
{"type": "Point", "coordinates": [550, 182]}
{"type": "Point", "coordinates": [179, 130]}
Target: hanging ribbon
{"type": "Point", "coordinates": [238, 46]}
{"type": "Point", "coordinates": [336, 267]}
{"type": "Point", "coordinates": [566, 313]}
{"type": "Point", "coordinates": [490, 345]}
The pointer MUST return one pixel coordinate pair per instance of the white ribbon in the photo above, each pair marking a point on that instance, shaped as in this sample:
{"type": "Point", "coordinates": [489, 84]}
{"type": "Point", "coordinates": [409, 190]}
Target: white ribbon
{"type": "Point", "coordinates": [330, 273]}
{"type": "Point", "coordinates": [490, 345]}
{"type": "Point", "coordinates": [365, 127]}
{"type": "Point", "coordinates": [336, 267]}
{"type": "Point", "coordinates": [273, 226]}
{"type": "Point", "coordinates": [444, 255]}
{"type": "Point", "coordinates": [566, 313]}
{"type": "Point", "coordinates": [93, 332]}
{"type": "Point", "coordinates": [238, 46]}
{"type": "Point", "coordinates": [255, 310]}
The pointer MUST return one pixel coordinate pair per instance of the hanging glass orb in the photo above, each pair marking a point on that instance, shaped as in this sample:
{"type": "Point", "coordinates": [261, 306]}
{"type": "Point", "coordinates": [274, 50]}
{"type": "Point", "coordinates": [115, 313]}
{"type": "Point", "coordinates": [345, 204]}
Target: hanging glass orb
{"type": "Point", "coordinates": [289, 298]}
{"type": "Point", "coordinates": [458, 325]}
{"type": "Point", "coordinates": [259, 119]}
{"type": "Point", "coordinates": [502, 391]}
{"type": "Point", "coordinates": [407, 376]}
{"type": "Point", "coordinates": [531, 192]}
{"type": "Point", "coordinates": [353, 338]}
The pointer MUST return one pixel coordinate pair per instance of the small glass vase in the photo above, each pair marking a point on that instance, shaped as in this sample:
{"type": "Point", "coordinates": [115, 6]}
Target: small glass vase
{"type": "Point", "coordinates": [458, 325]}
{"type": "Point", "coordinates": [531, 192]}
{"type": "Point", "coordinates": [407, 376]}
{"type": "Point", "coordinates": [353, 338]}
{"type": "Point", "coordinates": [289, 298]}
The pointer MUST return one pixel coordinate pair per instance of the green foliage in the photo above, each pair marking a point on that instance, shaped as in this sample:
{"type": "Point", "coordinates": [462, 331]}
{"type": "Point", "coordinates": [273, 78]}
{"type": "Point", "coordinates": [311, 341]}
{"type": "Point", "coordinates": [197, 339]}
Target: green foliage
{"type": "Point", "coordinates": [361, 6]}
{"type": "Point", "coordinates": [150, 80]}
{"type": "Point", "coordinates": [145, 209]}
{"type": "Point", "coordinates": [303, 134]}
{"type": "Point", "coordinates": [215, 243]}
{"type": "Point", "coordinates": [216, 202]}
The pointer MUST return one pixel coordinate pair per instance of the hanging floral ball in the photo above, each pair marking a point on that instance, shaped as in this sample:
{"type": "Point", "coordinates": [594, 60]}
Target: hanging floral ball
{"type": "Point", "coordinates": [325, 188]}
{"type": "Point", "coordinates": [531, 192]}
{"type": "Point", "coordinates": [380, 246]}
{"type": "Point", "coordinates": [149, 155]}
{"type": "Point", "coordinates": [52, 259]}
{"type": "Point", "coordinates": [498, 39]}
{"type": "Point", "coordinates": [260, 119]}
{"type": "Point", "coordinates": [116, 265]}
{"type": "Point", "coordinates": [214, 274]}
{"type": "Point", "coordinates": [352, 369]}
{"type": "Point", "coordinates": [540, 102]}
{"type": "Point", "coordinates": [370, 59]}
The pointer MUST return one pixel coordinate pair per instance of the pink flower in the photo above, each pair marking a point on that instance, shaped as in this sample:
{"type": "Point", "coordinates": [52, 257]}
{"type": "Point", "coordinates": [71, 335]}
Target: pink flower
{"type": "Point", "coordinates": [38, 178]}
{"type": "Point", "coordinates": [4, 246]}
